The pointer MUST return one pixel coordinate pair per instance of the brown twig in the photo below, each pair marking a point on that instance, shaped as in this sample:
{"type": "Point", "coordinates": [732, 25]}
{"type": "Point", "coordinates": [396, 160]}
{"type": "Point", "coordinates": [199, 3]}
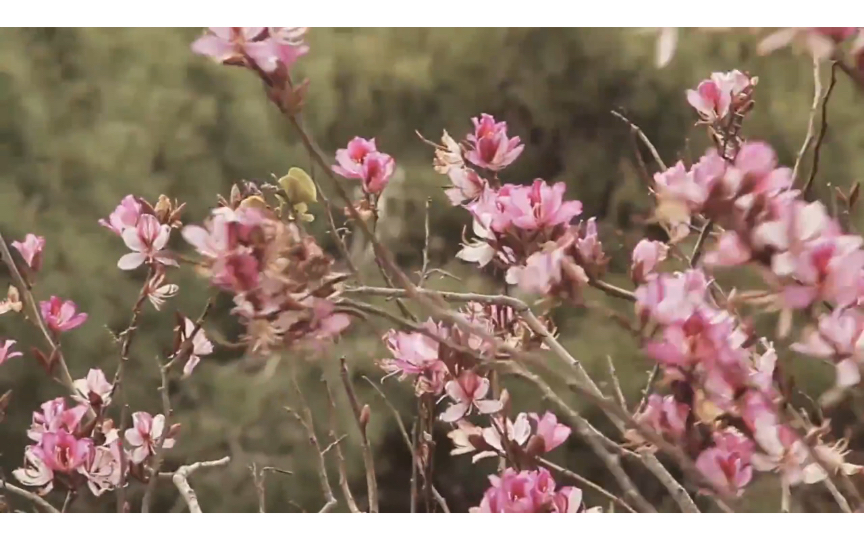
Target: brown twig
{"type": "Point", "coordinates": [805, 192]}
{"type": "Point", "coordinates": [343, 473]}
{"type": "Point", "coordinates": [32, 497]}
{"type": "Point", "coordinates": [811, 123]}
{"type": "Point", "coordinates": [361, 416]}
{"type": "Point", "coordinates": [181, 480]}
{"type": "Point", "coordinates": [584, 481]}
{"type": "Point", "coordinates": [699, 248]}
{"type": "Point", "coordinates": [425, 267]}
{"type": "Point", "coordinates": [679, 494]}
{"type": "Point", "coordinates": [644, 138]}
{"type": "Point", "coordinates": [309, 427]}
{"type": "Point", "coordinates": [616, 383]}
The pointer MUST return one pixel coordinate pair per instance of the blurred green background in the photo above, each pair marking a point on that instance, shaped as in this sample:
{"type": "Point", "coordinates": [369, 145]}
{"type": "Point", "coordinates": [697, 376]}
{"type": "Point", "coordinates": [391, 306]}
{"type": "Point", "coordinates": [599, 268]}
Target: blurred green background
{"type": "Point", "coordinates": [90, 115]}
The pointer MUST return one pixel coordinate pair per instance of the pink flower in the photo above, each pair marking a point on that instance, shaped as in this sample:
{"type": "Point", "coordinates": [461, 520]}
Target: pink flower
{"type": "Point", "coordinates": [548, 428]}
{"type": "Point", "coordinates": [63, 452]}
{"type": "Point", "coordinates": [289, 44]}
{"type": "Point", "coordinates": [201, 346]}
{"type": "Point", "coordinates": [840, 337]}
{"type": "Point", "coordinates": [448, 155]}
{"type": "Point", "coordinates": [211, 242]}
{"type": "Point", "coordinates": [228, 43]}
{"type": "Point", "coordinates": [35, 472]}
{"type": "Point", "coordinates": [730, 251]}
{"type": "Point", "coordinates": [468, 391]}
{"type": "Point", "coordinates": [55, 416]}
{"type": "Point", "coordinates": [821, 42]}
{"type": "Point", "coordinates": [413, 353]}
{"type": "Point", "coordinates": [467, 185]}
{"type": "Point", "coordinates": [61, 316]}
{"type": "Point", "coordinates": [515, 432]}
{"type": "Point", "coordinates": [31, 250]}
{"type": "Point", "coordinates": [158, 291]}
{"type": "Point", "coordinates": [713, 97]}
{"type": "Point", "coordinates": [727, 463]}
{"type": "Point", "coordinates": [528, 491]}
{"type": "Point", "coordinates": [538, 207]}
{"type": "Point", "coordinates": [147, 241]}
{"type": "Point", "coordinates": [646, 256]}
{"type": "Point", "coordinates": [783, 452]}
{"type": "Point", "coordinates": [542, 271]}
{"type": "Point", "coordinates": [491, 148]}
{"type": "Point", "coordinates": [124, 216]}
{"type": "Point", "coordinates": [95, 390]}
{"type": "Point", "coordinates": [377, 170]}
{"type": "Point", "coordinates": [665, 415]}
{"type": "Point", "coordinates": [5, 351]}
{"type": "Point", "coordinates": [349, 160]}
{"type": "Point", "coordinates": [144, 436]}
{"type": "Point", "coordinates": [671, 298]}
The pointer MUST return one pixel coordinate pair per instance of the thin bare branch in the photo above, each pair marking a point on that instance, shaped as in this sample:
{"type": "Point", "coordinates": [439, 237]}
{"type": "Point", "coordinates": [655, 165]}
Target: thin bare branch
{"type": "Point", "coordinates": [805, 192]}
{"type": "Point", "coordinates": [616, 383]}
{"type": "Point", "coordinates": [361, 416]}
{"type": "Point", "coordinates": [585, 482]}
{"type": "Point", "coordinates": [343, 473]}
{"type": "Point", "coordinates": [679, 494]}
{"type": "Point", "coordinates": [425, 268]}
{"type": "Point", "coordinates": [644, 138]}
{"type": "Point", "coordinates": [811, 123]}
{"type": "Point", "coordinates": [32, 497]}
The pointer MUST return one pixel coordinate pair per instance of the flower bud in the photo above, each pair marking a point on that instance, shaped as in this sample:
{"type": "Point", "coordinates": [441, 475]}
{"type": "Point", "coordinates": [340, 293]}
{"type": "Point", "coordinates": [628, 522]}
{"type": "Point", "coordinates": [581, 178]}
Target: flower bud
{"type": "Point", "coordinates": [298, 186]}
{"type": "Point", "coordinates": [365, 414]}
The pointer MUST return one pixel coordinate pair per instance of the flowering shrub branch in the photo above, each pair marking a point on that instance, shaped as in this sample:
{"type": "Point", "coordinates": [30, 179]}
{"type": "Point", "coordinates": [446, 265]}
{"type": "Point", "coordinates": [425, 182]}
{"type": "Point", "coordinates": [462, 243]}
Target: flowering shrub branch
{"type": "Point", "coordinates": [716, 401]}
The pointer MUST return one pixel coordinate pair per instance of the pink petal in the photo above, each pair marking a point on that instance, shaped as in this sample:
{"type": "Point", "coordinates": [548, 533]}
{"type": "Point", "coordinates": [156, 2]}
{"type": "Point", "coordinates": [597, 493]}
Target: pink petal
{"type": "Point", "coordinates": [454, 412]}
{"type": "Point", "coordinates": [131, 261]}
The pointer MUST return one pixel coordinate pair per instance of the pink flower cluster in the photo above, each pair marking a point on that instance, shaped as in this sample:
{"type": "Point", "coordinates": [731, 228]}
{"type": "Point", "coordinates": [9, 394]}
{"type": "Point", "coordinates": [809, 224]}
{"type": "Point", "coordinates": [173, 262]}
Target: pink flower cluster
{"type": "Point", "coordinates": [281, 279]}
{"type": "Point", "coordinates": [721, 95]}
{"type": "Point", "coordinates": [523, 439]}
{"type": "Point", "coordinates": [266, 48]}
{"type": "Point", "coordinates": [529, 491]}
{"type": "Point", "coordinates": [71, 452]}
{"type": "Point", "coordinates": [362, 160]}
{"type": "Point", "coordinates": [143, 234]}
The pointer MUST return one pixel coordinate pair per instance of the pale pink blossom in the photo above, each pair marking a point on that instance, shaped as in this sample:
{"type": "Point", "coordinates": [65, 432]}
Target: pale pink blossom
{"type": "Point", "coordinates": [124, 216]}
{"type": "Point", "coordinates": [664, 415]}
{"type": "Point", "coordinates": [201, 346]}
{"type": "Point", "coordinates": [840, 337]}
{"type": "Point", "coordinates": [94, 390]}
{"type": "Point", "coordinates": [448, 156]}
{"type": "Point", "coordinates": [671, 298]}
{"type": "Point", "coordinates": [103, 468]}
{"type": "Point", "coordinates": [548, 428]}
{"type": "Point", "coordinates": [212, 241]}
{"type": "Point", "coordinates": [536, 207]}
{"type": "Point", "coordinates": [349, 160]}
{"type": "Point", "coordinates": [413, 353]}
{"type": "Point", "coordinates": [479, 251]}
{"type": "Point", "coordinates": [6, 351]}
{"type": "Point", "coordinates": [31, 250]}
{"type": "Point", "coordinates": [588, 246]}
{"type": "Point", "coordinates": [35, 472]}
{"type": "Point", "coordinates": [55, 416]}
{"type": "Point", "coordinates": [542, 271]}
{"type": "Point", "coordinates": [783, 452]}
{"type": "Point", "coordinates": [147, 240]}
{"type": "Point", "coordinates": [528, 491]}
{"type": "Point", "coordinates": [61, 316]}
{"type": "Point", "coordinates": [490, 147]}
{"type": "Point", "coordinates": [228, 43]}
{"type": "Point", "coordinates": [158, 291]}
{"type": "Point", "coordinates": [713, 97]}
{"type": "Point", "coordinates": [289, 43]}
{"type": "Point", "coordinates": [468, 391]}
{"type": "Point", "coordinates": [518, 432]}
{"type": "Point", "coordinates": [467, 185]}
{"type": "Point", "coordinates": [464, 437]}
{"type": "Point", "coordinates": [820, 42]}
{"type": "Point", "coordinates": [144, 436]}
{"type": "Point", "coordinates": [646, 256]}
{"type": "Point", "coordinates": [729, 251]}
{"type": "Point", "coordinates": [727, 463]}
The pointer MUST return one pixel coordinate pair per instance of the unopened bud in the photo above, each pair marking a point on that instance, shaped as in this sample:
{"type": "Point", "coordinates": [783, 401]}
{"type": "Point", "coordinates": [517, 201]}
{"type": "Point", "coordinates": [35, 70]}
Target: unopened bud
{"type": "Point", "coordinates": [536, 446]}
{"type": "Point", "coordinates": [365, 414]}
{"type": "Point", "coordinates": [236, 197]}
{"type": "Point", "coordinates": [299, 187]}
{"type": "Point", "coordinates": [174, 430]}
{"type": "Point", "coordinates": [163, 208]}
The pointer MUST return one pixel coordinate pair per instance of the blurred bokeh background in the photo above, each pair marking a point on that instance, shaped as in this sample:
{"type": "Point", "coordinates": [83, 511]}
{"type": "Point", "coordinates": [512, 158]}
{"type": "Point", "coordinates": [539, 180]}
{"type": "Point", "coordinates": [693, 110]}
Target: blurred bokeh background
{"type": "Point", "coordinates": [90, 115]}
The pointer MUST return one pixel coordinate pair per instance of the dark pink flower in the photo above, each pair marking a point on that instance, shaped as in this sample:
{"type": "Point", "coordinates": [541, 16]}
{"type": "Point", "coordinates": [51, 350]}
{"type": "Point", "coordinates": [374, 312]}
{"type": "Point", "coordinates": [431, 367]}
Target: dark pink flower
{"type": "Point", "coordinates": [124, 216]}
{"type": "Point", "coordinates": [147, 241]}
{"type": "Point", "coordinates": [61, 316]}
{"type": "Point", "coordinates": [528, 491]}
{"type": "Point", "coordinates": [377, 170]}
{"type": "Point", "coordinates": [646, 256]}
{"type": "Point", "coordinates": [55, 416]}
{"type": "Point", "coordinates": [539, 206]}
{"type": "Point", "coordinates": [468, 391]}
{"type": "Point", "coordinates": [490, 146]}
{"type": "Point", "coordinates": [6, 351]}
{"type": "Point", "coordinates": [548, 428]}
{"type": "Point", "coordinates": [349, 160]}
{"type": "Point", "coordinates": [31, 250]}
{"type": "Point", "coordinates": [727, 463]}
{"type": "Point", "coordinates": [144, 436]}
{"type": "Point", "coordinates": [63, 452]}
{"type": "Point", "coordinates": [227, 43]}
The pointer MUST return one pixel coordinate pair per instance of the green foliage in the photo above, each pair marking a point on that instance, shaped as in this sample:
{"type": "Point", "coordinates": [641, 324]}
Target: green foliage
{"type": "Point", "coordinates": [89, 115]}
